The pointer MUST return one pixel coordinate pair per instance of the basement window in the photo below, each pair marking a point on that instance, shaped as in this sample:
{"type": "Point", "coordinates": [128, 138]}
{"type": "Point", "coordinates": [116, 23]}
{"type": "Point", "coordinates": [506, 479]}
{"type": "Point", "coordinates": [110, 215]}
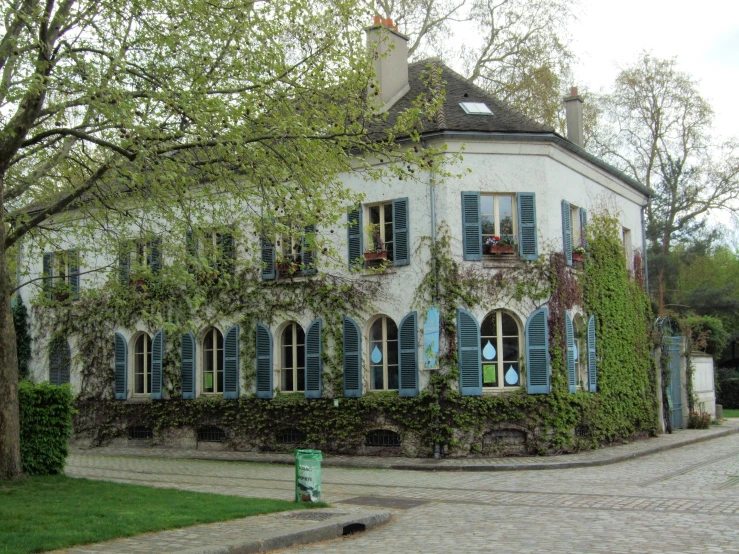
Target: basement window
{"type": "Point", "coordinates": [476, 108]}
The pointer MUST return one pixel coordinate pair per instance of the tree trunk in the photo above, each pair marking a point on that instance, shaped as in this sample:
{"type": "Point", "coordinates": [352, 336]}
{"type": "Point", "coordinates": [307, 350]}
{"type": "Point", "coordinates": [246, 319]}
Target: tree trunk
{"type": "Point", "coordinates": [10, 440]}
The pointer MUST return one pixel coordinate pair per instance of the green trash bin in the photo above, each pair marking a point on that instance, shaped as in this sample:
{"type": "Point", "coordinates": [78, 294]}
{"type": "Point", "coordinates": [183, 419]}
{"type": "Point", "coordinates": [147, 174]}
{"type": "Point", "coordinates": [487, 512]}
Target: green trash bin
{"type": "Point", "coordinates": [308, 475]}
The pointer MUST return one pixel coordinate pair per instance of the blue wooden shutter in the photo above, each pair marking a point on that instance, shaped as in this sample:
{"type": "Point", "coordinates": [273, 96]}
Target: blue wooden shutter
{"type": "Point", "coordinates": [121, 367]}
{"type": "Point", "coordinates": [227, 253]}
{"type": "Point", "coordinates": [570, 353]}
{"type": "Point", "coordinates": [157, 356]}
{"type": "Point", "coordinates": [65, 363]}
{"type": "Point", "coordinates": [187, 370]}
{"type": "Point", "coordinates": [537, 352]}
{"type": "Point", "coordinates": [471, 226]}
{"type": "Point", "coordinates": [74, 273]}
{"type": "Point", "coordinates": [354, 237]}
{"type": "Point", "coordinates": [46, 271]}
{"type": "Point", "coordinates": [264, 361]}
{"type": "Point", "coordinates": [567, 231]}
{"type": "Point", "coordinates": [583, 227]}
{"type": "Point", "coordinates": [268, 259]}
{"type": "Point", "coordinates": [308, 250]}
{"type": "Point", "coordinates": [468, 343]}
{"type": "Point", "coordinates": [352, 359]}
{"type": "Point", "coordinates": [124, 265]}
{"type": "Point", "coordinates": [401, 232]}
{"type": "Point", "coordinates": [231, 364]}
{"type": "Point", "coordinates": [155, 255]}
{"type": "Point", "coordinates": [60, 358]}
{"type": "Point", "coordinates": [592, 360]}
{"type": "Point", "coordinates": [528, 242]}
{"type": "Point", "coordinates": [408, 335]}
{"type": "Point", "coordinates": [313, 360]}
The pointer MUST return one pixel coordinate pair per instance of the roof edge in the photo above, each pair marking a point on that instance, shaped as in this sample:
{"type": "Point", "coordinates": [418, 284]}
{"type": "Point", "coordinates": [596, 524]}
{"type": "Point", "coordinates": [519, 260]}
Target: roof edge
{"type": "Point", "coordinates": [548, 137]}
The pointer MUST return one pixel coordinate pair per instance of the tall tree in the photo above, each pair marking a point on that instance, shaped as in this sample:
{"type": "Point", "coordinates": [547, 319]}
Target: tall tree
{"type": "Point", "coordinates": [141, 116]}
{"type": "Point", "coordinates": [656, 127]}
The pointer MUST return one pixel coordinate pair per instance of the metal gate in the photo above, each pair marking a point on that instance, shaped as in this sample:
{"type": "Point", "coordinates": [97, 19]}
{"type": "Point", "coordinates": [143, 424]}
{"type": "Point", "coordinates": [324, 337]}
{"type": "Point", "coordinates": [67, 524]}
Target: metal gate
{"type": "Point", "coordinates": [672, 348]}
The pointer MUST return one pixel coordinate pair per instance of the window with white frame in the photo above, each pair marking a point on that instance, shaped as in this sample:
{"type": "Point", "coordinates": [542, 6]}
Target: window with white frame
{"type": "Point", "coordinates": [383, 354]}
{"type": "Point", "coordinates": [213, 362]}
{"type": "Point", "coordinates": [497, 212]}
{"type": "Point", "coordinates": [577, 230]}
{"type": "Point", "coordinates": [292, 358]}
{"type": "Point", "coordinates": [500, 350]}
{"type": "Point", "coordinates": [581, 352]}
{"type": "Point", "coordinates": [139, 258]}
{"type": "Point", "coordinates": [381, 236]}
{"type": "Point", "coordinates": [61, 274]}
{"type": "Point", "coordinates": [142, 364]}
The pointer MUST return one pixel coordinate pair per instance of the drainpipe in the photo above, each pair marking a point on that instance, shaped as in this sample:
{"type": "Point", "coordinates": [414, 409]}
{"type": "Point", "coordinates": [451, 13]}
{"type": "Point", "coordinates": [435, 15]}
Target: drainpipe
{"type": "Point", "coordinates": [644, 247]}
{"type": "Point", "coordinates": [432, 208]}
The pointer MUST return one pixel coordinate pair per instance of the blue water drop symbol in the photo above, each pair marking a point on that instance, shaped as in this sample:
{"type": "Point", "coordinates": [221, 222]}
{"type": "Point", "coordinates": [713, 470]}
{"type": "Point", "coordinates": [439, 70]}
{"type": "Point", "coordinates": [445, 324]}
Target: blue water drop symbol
{"type": "Point", "coordinates": [511, 376]}
{"type": "Point", "coordinates": [376, 356]}
{"type": "Point", "coordinates": [575, 352]}
{"type": "Point", "coordinates": [489, 351]}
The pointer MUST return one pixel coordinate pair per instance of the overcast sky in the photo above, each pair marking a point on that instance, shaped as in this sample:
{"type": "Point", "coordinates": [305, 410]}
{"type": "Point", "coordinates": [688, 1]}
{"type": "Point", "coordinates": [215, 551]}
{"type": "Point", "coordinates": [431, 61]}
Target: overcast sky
{"type": "Point", "coordinates": [703, 36]}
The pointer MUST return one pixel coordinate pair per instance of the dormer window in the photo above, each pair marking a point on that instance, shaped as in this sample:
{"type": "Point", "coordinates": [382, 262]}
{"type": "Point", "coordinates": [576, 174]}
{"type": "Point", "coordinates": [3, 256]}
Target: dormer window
{"type": "Point", "coordinates": [476, 108]}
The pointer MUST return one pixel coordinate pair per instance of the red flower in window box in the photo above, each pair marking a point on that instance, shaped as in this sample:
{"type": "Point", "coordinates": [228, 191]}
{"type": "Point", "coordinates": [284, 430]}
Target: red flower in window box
{"type": "Point", "coordinates": [373, 256]}
{"type": "Point", "coordinates": [502, 249]}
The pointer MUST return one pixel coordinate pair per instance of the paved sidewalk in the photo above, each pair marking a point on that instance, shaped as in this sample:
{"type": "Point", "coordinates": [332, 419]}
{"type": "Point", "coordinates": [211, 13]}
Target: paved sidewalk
{"type": "Point", "coordinates": [602, 456]}
{"type": "Point", "coordinates": [250, 534]}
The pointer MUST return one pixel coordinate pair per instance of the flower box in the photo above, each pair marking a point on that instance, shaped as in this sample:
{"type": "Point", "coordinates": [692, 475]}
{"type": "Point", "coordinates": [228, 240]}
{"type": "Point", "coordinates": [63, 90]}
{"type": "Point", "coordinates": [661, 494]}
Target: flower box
{"type": "Point", "coordinates": [375, 256]}
{"type": "Point", "coordinates": [578, 257]}
{"type": "Point", "coordinates": [60, 295]}
{"type": "Point", "coordinates": [138, 284]}
{"type": "Point", "coordinates": [287, 268]}
{"type": "Point", "coordinates": [497, 250]}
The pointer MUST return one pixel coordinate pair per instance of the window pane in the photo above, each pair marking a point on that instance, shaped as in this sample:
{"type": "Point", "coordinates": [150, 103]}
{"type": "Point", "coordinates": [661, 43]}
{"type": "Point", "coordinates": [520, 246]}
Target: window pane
{"type": "Point", "coordinates": [388, 209]}
{"type": "Point", "coordinates": [287, 335]}
{"type": "Point", "coordinates": [376, 330]}
{"type": "Point", "coordinates": [392, 378]}
{"type": "Point", "coordinates": [219, 382]}
{"type": "Point", "coordinates": [300, 362]}
{"type": "Point", "coordinates": [489, 375]}
{"type": "Point", "coordinates": [300, 334]}
{"type": "Point", "coordinates": [375, 349]}
{"type": "Point", "coordinates": [377, 378]}
{"type": "Point", "coordinates": [287, 379]}
{"type": "Point", "coordinates": [392, 353]}
{"type": "Point", "coordinates": [510, 328]}
{"type": "Point", "coordinates": [511, 375]}
{"type": "Point", "coordinates": [488, 225]}
{"type": "Point", "coordinates": [488, 349]}
{"type": "Point", "coordinates": [392, 330]}
{"type": "Point", "coordinates": [510, 349]}
{"type": "Point", "coordinates": [140, 383]}
{"type": "Point", "coordinates": [374, 215]}
{"type": "Point", "coordinates": [287, 356]}
{"type": "Point", "coordinates": [208, 342]}
{"type": "Point", "coordinates": [486, 204]}
{"type": "Point", "coordinates": [487, 329]}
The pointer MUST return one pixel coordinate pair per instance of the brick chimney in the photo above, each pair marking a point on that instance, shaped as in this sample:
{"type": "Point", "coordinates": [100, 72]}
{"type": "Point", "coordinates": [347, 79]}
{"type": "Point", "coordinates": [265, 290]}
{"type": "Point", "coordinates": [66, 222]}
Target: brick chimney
{"type": "Point", "coordinates": [390, 50]}
{"type": "Point", "coordinates": [573, 110]}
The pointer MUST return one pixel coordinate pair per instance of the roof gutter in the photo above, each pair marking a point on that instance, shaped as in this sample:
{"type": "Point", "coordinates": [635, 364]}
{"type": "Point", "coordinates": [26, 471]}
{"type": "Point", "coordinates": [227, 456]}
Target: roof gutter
{"type": "Point", "coordinates": [546, 137]}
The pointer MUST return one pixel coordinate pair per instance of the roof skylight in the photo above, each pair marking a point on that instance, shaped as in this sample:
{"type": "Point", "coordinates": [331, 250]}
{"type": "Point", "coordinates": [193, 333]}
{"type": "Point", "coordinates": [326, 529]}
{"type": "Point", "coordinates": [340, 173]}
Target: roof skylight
{"type": "Point", "coordinates": [476, 108]}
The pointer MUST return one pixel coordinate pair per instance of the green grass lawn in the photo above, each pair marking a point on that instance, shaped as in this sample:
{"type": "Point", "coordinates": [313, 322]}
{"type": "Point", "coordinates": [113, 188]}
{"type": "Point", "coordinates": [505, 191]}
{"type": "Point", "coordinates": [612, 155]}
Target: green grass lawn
{"type": "Point", "coordinates": [731, 413]}
{"type": "Point", "coordinates": [45, 513]}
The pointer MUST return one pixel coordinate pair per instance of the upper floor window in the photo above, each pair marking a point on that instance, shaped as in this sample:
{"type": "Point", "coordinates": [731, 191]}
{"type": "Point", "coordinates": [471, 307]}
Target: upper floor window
{"type": "Point", "coordinates": [378, 233]}
{"type": "Point", "coordinates": [213, 361]}
{"type": "Point", "coordinates": [498, 223]}
{"type": "Point", "coordinates": [581, 352]}
{"type": "Point", "coordinates": [292, 360]}
{"type": "Point", "coordinates": [500, 350]}
{"type": "Point", "coordinates": [61, 274]}
{"type": "Point", "coordinates": [138, 258]}
{"type": "Point", "coordinates": [142, 364]}
{"type": "Point", "coordinates": [291, 253]}
{"type": "Point", "coordinates": [381, 230]}
{"type": "Point", "coordinates": [383, 354]}
{"type": "Point", "coordinates": [211, 253]}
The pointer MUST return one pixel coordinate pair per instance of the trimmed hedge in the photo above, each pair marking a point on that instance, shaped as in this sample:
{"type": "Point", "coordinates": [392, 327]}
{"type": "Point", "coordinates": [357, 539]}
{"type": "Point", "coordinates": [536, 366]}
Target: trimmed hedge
{"type": "Point", "coordinates": [46, 424]}
{"type": "Point", "coordinates": [728, 394]}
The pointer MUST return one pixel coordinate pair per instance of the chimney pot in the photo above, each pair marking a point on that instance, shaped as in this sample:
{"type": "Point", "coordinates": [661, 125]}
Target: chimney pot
{"type": "Point", "coordinates": [390, 52]}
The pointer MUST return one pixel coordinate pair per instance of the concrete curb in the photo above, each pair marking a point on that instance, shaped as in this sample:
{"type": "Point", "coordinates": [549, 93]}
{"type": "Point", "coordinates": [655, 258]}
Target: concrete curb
{"type": "Point", "coordinates": [277, 540]}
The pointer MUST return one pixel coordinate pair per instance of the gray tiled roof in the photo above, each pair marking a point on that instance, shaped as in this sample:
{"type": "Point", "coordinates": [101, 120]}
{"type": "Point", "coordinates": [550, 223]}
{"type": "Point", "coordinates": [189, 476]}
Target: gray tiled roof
{"type": "Point", "coordinates": [452, 117]}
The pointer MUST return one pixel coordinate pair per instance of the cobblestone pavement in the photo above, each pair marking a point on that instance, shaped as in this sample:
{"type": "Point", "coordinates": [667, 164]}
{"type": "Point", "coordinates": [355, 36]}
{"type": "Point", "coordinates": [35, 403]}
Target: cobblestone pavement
{"type": "Point", "coordinates": [681, 500]}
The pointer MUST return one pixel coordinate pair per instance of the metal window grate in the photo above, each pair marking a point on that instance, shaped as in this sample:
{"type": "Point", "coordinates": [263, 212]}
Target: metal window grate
{"type": "Point", "coordinates": [211, 434]}
{"type": "Point", "coordinates": [140, 432]}
{"type": "Point", "coordinates": [383, 437]}
{"type": "Point", "coordinates": [291, 436]}
{"type": "Point", "coordinates": [582, 431]}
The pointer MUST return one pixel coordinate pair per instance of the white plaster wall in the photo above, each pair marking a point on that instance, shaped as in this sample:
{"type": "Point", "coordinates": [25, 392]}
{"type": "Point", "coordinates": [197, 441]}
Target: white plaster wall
{"type": "Point", "coordinates": [487, 166]}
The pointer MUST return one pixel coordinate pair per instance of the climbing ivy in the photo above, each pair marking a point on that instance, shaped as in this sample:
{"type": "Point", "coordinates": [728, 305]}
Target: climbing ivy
{"type": "Point", "coordinates": [22, 336]}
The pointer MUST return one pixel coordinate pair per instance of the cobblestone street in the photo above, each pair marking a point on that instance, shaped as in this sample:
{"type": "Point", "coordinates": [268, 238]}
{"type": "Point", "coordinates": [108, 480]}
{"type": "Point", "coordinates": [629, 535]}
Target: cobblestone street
{"type": "Point", "coordinates": [682, 500]}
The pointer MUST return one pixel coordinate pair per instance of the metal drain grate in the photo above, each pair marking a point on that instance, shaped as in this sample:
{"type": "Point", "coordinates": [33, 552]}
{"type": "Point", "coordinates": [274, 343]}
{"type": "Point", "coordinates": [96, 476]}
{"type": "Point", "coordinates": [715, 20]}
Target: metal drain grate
{"type": "Point", "coordinates": [314, 516]}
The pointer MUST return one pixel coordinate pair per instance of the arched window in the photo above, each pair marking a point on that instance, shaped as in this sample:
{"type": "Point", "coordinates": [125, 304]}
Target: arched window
{"type": "Point", "coordinates": [500, 350]}
{"type": "Point", "coordinates": [581, 352]}
{"type": "Point", "coordinates": [142, 364]}
{"type": "Point", "coordinates": [292, 359]}
{"type": "Point", "coordinates": [213, 361]}
{"type": "Point", "coordinates": [60, 359]}
{"type": "Point", "coordinates": [383, 354]}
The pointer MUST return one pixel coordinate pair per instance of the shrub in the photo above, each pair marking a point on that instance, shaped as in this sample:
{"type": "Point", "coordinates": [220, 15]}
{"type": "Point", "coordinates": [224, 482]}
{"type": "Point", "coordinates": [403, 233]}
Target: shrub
{"type": "Point", "coordinates": [46, 423]}
{"type": "Point", "coordinates": [728, 394]}
{"type": "Point", "coordinates": [22, 338]}
{"type": "Point", "coordinates": [699, 420]}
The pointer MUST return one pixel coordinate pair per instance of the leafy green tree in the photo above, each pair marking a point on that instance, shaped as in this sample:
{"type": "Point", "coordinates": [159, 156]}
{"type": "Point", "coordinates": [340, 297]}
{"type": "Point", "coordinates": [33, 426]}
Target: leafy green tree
{"type": "Point", "coordinates": [655, 126]}
{"type": "Point", "coordinates": [122, 118]}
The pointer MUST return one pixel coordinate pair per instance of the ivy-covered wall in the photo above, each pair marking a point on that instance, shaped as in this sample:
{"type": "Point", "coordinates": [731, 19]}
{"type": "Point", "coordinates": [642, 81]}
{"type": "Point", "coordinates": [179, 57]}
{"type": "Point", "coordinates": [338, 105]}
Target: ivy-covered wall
{"type": "Point", "coordinates": [500, 424]}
